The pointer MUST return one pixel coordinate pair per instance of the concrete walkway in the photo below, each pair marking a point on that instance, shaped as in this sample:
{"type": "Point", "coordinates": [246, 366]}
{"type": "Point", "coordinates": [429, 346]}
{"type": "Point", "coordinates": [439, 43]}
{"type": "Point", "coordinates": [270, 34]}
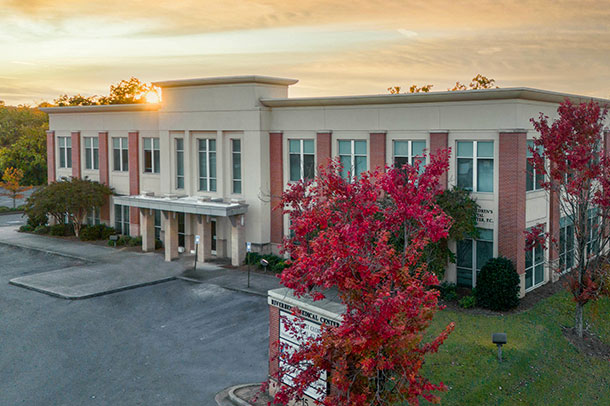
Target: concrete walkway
{"type": "Point", "coordinates": [103, 270]}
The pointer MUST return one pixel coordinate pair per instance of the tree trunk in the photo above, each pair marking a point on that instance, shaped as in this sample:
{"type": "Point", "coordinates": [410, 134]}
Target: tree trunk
{"type": "Point", "coordinates": [578, 319]}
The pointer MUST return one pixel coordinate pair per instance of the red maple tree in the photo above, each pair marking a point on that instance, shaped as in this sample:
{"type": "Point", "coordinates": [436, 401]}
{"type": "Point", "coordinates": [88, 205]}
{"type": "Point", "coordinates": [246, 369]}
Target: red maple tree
{"type": "Point", "coordinates": [571, 155]}
{"type": "Point", "coordinates": [344, 239]}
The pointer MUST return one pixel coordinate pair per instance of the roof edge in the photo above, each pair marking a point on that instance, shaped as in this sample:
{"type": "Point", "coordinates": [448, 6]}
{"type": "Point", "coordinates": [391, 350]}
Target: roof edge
{"type": "Point", "coordinates": [102, 108]}
{"type": "Point", "coordinates": [226, 80]}
{"type": "Point", "coordinates": [523, 93]}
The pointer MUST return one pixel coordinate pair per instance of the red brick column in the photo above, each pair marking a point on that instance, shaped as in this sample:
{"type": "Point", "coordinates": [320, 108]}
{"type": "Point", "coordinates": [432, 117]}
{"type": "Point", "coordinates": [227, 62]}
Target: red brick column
{"type": "Point", "coordinates": [104, 174]}
{"type": "Point", "coordinates": [76, 153]}
{"type": "Point", "coordinates": [378, 150]}
{"type": "Point", "coordinates": [439, 141]}
{"type": "Point", "coordinates": [323, 148]}
{"type": "Point", "coordinates": [554, 226]}
{"type": "Point", "coordinates": [274, 337]}
{"type": "Point", "coordinates": [134, 180]}
{"type": "Point", "coordinates": [276, 172]}
{"type": "Point", "coordinates": [50, 156]}
{"type": "Point", "coordinates": [511, 197]}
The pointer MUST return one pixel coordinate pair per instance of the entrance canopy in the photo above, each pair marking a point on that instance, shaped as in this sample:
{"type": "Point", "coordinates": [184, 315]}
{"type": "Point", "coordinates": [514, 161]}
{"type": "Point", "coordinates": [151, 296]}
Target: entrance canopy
{"type": "Point", "coordinates": [187, 204]}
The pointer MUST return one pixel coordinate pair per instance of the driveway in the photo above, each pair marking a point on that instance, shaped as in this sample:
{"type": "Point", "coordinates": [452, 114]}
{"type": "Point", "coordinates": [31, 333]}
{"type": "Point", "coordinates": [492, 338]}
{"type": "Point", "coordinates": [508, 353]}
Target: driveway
{"type": "Point", "coordinates": [175, 343]}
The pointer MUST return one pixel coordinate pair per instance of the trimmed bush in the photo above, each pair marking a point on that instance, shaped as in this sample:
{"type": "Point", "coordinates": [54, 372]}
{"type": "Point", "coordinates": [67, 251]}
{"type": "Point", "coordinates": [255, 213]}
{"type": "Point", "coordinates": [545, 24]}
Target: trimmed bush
{"type": "Point", "coordinates": [498, 285]}
{"type": "Point", "coordinates": [158, 244]}
{"type": "Point", "coordinates": [62, 230]}
{"type": "Point", "coordinates": [276, 264]}
{"type": "Point", "coordinates": [96, 232]}
{"type": "Point", "coordinates": [42, 230]}
{"type": "Point", "coordinates": [448, 291]}
{"type": "Point", "coordinates": [135, 241]}
{"type": "Point", "coordinates": [35, 221]}
{"type": "Point", "coordinates": [26, 228]}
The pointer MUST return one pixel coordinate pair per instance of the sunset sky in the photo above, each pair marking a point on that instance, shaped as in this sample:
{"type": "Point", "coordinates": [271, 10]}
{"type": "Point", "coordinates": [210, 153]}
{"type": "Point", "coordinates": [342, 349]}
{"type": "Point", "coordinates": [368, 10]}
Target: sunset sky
{"type": "Point", "coordinates": [50, 47]}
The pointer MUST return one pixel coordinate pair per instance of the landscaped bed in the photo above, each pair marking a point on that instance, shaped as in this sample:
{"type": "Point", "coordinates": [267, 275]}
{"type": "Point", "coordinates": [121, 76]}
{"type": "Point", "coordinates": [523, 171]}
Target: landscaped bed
{"type": "Point", "coordinates": [540, 366]}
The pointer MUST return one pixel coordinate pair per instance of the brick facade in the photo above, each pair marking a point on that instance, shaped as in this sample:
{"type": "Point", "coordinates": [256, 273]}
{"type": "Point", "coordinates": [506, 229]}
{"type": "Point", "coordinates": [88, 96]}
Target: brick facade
{"type": "Point", "coordinates": [76, 154]}
{"type": "Point", "coordinates": [439, 141]}
{"type": "Point", "coordinates": [511, 197]}
{"type": "Point", "coordinates": [134, 180]}
{"type": "Point", "coordinates": [276, 168]}
{"type": "Point", "coordinates": [323, 148]}
{"type": "Point", "coordinates": [378, 150]}
{"type": "Point", "coordinates": [50, 156]}
{"type": "Point", "coordinates": [274, 338]}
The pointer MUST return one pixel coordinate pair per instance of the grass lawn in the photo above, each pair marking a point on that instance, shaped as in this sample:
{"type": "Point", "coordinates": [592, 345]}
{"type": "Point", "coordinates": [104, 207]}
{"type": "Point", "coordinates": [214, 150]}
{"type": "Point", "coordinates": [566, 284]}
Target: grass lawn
{"type": "Point", "coordinates": [540, 366]}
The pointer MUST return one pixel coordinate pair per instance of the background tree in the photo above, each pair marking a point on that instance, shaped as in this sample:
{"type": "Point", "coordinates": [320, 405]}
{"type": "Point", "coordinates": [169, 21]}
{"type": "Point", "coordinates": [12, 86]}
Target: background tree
{"type": "Point", "coordinates": [477, 83]}
{"type": "Point", "coordinates": [11, 184]}
{"type": "Point", "coordinates": [131, 91]}
{"type": "Point", "coordinates": [412, 89]}
{"type": "Point", "coordinates": [72, 197]}
{"type": "Point", "coordinates": [569, 153]}
{"type": "Point", "coordinates": [342, 232]}
{"type": "Point", "coordinates": [28, 154]}
{"type": "Point", "coordinates": [15, 122]}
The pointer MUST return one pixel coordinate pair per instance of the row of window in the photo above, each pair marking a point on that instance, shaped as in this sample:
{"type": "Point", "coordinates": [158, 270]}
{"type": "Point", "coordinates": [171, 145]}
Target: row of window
{"type": "Point", "coordinates": [152, 159]}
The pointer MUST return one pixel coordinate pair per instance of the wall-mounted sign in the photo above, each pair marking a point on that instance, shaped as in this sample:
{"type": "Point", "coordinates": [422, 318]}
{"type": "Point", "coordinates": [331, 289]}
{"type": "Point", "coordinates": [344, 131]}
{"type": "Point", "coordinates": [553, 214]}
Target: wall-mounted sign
{"type": "Point", "coordinates": [197, 239]}
{"type": "Point", "coordinates": [485, 216]}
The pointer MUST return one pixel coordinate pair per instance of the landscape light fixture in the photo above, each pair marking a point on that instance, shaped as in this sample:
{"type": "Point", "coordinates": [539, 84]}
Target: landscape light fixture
{"type": "Point", "coordinates": [264, 264]}
{"type": "Point", "coordinates": [499, 339]}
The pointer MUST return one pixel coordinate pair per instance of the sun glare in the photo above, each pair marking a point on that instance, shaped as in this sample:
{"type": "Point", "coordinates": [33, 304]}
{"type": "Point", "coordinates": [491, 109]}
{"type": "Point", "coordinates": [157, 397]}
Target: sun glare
{"type": "Point", "coordinates": [153, 97]}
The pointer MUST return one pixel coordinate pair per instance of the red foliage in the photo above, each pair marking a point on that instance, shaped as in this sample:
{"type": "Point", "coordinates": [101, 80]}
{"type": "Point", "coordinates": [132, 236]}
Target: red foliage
{"type": "Point", "coordinates": [343, 239]}
{"type": "Point", "coordinates": [570, 154]}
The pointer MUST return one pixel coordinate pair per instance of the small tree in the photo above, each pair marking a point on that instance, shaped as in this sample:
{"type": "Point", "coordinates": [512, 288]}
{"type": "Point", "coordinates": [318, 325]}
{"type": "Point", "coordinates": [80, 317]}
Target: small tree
{"type": "Point", "coordinates": [72, 197]}
{"type": "Point", "coordinates": [569, 153]}
{"type": "Point", "coordinates": [342, 240]}
{"type": "Point", "coordinates": [11, 184]}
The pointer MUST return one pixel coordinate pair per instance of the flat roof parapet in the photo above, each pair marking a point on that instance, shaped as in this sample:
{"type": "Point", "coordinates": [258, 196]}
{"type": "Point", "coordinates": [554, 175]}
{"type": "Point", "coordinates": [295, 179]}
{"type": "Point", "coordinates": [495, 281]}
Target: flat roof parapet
{"type": "Point", "coordinates": [227, 80]}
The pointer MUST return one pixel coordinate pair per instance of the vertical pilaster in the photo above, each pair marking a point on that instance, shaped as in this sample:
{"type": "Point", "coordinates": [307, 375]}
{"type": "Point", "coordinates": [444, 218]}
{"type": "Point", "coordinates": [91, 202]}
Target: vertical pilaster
{"type": "Point", "coordinates": [238, 249]}
{"type": "Point", "coordinates": [147, 222]}
{"type": "Point", "coordinates": [323, 147]}
{"type": "Point", "coordinates": [439, 140]}
{"type": "Point", "coordinates": [76, 154]}
{"type": "Point", "coordinates": [189, 239]}
{"type": "Point", "coordinates": [274, 337]}
{"type": "Point", "coordinates": [276, 172]}
{"type": "Point", "coordinates": [171, 235]}
{"type": "Point", "coordinates": [104, 174]}
{"type": "Point", "coordinates": [511, 199]}
{"type": "Point", "coordinates": [377, 142]}
{"type": "Point", "coordinates": [50, 156]}
{"type": "Point", "coordinates": [134, 180]}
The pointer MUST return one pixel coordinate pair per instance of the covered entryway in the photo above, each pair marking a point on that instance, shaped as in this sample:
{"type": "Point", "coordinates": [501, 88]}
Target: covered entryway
{"type": "Point", "coordinates": [205, 211]}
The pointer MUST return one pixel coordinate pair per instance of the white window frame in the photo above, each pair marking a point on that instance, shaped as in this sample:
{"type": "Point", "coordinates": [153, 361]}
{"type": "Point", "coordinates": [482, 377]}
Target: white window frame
{"type": "Point", "coordinates": [564, 249]}
{"type": "Point", "coordinates": [123, 146]}
{"type": "Point", "coordinates": [475, 250]}
{"type": "Point", "coordinates": [535, 174]}
{"type": "Point", "coordinates": [409, 155]}
{"type": "Point", "coordinates": [301, 154]}
{"type": "Point", "coordinates": [153, 148]}
{"type": "Point", "coordinates": [179, 151]}
{"type": "Point", "coordinates": [65, 152]}
{"type": "Point", "coordinates": [475, 165]}
{"type": "Point", "coordinates": [93, 216]}
{"type": "Point", "coordinates": [207, 178]}
{"type": "Point", "coordinates": [533, 266]}
{"type": "Point", "coordinates": [353, 156]}
{"type": "Point", "coordinates": [241, 166]}
{"type": "Point", "coordinates": [123, 221]}
{"type": "Point", "coordinates": [91, 151]}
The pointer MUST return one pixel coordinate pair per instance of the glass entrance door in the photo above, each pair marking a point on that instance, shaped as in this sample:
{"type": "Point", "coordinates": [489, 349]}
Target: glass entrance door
{"type": "Point", "coordinates": [213, 239]}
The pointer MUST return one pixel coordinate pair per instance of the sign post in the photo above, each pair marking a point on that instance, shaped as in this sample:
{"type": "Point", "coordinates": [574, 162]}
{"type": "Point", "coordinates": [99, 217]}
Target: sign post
{"type": "Point", "coordinates": [248, 250]}
{"type": "Point", "coordinates": [197, 239]}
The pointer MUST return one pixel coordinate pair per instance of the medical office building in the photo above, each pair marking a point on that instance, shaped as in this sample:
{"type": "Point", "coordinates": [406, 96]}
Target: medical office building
{"type": "Point", "coordinates": [214, 156]}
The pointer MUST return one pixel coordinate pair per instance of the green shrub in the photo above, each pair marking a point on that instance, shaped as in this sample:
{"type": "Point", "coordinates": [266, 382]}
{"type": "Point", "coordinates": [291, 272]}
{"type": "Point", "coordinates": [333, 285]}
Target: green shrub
{"type": "Point", "coordinates": [276, 264]}
{"type": "Point", "coordinates": [42, 230]}
{"type": "Point", "coordinates": [96, 232]}
{"type": "Point", "coordinates": [448, 291]}
{"type": "Point", "coordinates": [106, 232]}
{"type": "Point", "coordinates": [158, 244]}
{"type": "Point", "coordinates": [498, 285]}
{"type": "Point", "coordinates": [468, 302]}
{"type": "Point", "coordinates": [253, 258]}
{"type": "Point", "coordinates": [123, 240]}
{"type": "Point", "coordinates": [62, 230]}
{"type": "Point", "coordinates": [35, 221]}
{"type": "Point", "coordinates": [6, 209]}
{"type": "Point", "coordinates": [26, 228]}
{"type": "Point", "coordinates": [135, 241]}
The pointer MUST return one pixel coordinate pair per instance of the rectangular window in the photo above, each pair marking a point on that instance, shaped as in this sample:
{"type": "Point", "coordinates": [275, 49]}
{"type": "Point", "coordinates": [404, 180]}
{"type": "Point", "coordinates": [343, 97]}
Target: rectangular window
{"type": "Point", "coordinates": [207, 165]}
{"type": "Point", "coordinates": [152, 155]}
{"type": "Point", "coordinates": [566, 244]}
{"type": "Point", "coordinates": [475, 165]}
{"type": "Point", "coordinates": [92, 155]}
{"type": "Point", "coordinates": [121, 219]}
{"type": "Point", "coordinates": [534, 267]}
{"type": "Point", "coordinates": [120, 154]}
{"type": "Point", "coordinates": [65, 152]}
{"type": "Point", "coordinates": [181, 233]}
{"type": "Point", "coordinates": [157, 223]}
{"type": "Point", "coordinates": [302, 159]}
{"type": "Point", "coordinates": [534, 178]}
{"type": "Point", "coordinates": [179, 163]}
{"type": "Point", "coordinates": [93, 216]}
{"type": "Point", "coordinates": [472, 255]}
{"type": "Point", "coordinates": [409, 153]}
{"type": "Point", "coordinates": [593, 232]}
{"type": "Point", "coordinates": [352, 154]}
{"type": "Point", "coordinates": [236, 165]}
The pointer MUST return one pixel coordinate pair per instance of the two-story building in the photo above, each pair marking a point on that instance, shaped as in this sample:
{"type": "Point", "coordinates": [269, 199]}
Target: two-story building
{"type": "Point", "coordinates": [214, 157]}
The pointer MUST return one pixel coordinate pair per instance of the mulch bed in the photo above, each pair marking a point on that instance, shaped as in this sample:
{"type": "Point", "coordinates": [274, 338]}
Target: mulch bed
{"type": "Point", "coordinates": [253, 395]}
{"type": "Point", "coordinates": [590, 344]}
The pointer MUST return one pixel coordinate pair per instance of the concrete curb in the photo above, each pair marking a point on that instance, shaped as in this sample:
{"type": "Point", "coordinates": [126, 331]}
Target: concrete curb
{"type": "Point", "coordinates": [46, 251]}
{"type": "Point", "coordinates": [228, 395]}
{"type": "Point", "coordinates": [103, 293]}
{"type": "Point", "coordinates": [7, 213]}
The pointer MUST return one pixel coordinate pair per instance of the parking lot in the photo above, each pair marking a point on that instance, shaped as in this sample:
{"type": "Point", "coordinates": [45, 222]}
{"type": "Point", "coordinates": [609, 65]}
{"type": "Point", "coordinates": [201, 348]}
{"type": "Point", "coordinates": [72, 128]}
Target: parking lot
{"type": "Point", "coordinates": [174, 343]}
